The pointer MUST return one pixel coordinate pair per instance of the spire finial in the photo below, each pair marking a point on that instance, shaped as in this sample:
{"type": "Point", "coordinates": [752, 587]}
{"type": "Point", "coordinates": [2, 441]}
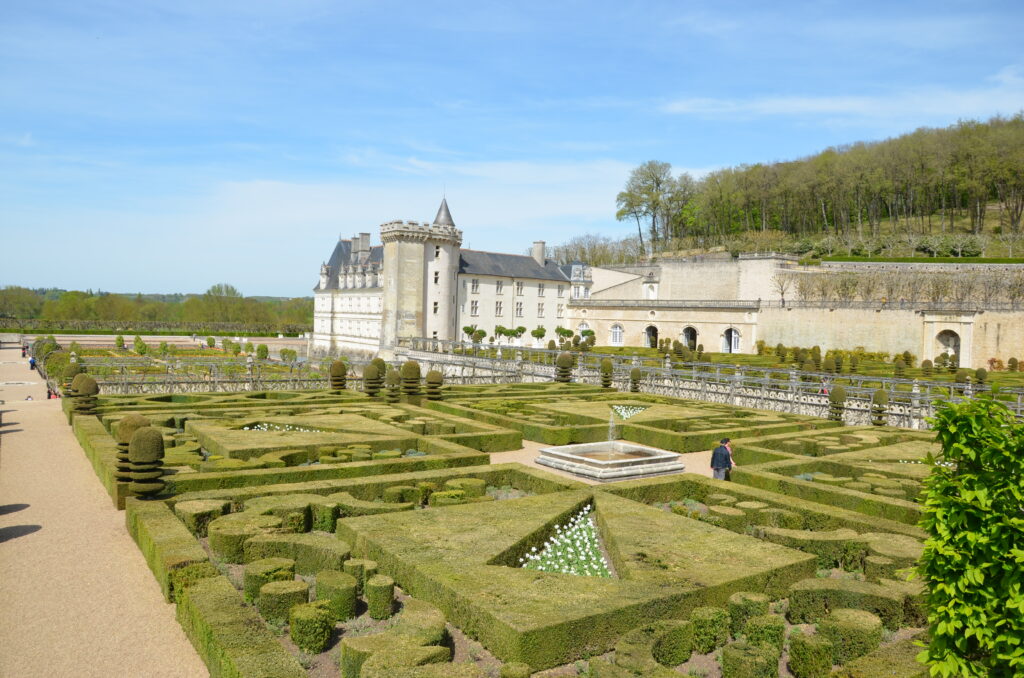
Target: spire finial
{"type": "Point", "coordinates": [444, 217]}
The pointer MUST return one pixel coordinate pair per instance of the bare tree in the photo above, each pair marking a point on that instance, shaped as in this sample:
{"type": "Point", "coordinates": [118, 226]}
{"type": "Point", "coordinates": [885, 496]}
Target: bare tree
{"type": "Point", "coordinates": [781, 282]}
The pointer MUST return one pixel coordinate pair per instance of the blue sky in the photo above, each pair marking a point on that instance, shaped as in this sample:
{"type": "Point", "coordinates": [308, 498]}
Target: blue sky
{"type": "Point", "coordinates": [168, 145]}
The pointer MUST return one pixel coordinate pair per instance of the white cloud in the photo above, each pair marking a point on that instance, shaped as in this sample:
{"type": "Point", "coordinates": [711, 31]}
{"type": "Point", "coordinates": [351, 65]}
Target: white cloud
{"type": "Point", "coordinates": [1003, 93]}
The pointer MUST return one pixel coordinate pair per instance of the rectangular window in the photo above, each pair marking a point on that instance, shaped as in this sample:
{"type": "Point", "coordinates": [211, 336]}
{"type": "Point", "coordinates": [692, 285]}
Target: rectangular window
{"type": "Point", "coordinates": [540, 289]}
{"type": "Point", "coordinates": [586, 292]}
{"type": "Point", "coordinates": [435, 308]}
{"type": "Point", "coordinates": [437, 251]}
{"type": "Point", "coordinates": [499, 286]}
{"type": "Point", "coordinates": [560, 311]}
{"type": "Point", "coordinates": [575, 291]}
{"type": "Point", "coordinates": [519, 289]}
{"type": "Point", "coordinates": [519, 309]}
{"type": "Point", "coordinates": [437, 276]}
{"type": "Point", "coordinates": [561, 291]}
{"type": "Point", "coordinates": [474, 285]}
{"type": "Point", "coordinates": [474, 308]}
{"type": "Point", "coordinates": [540, 310]}
{"type": "Point", "coordinates": [497, 308]}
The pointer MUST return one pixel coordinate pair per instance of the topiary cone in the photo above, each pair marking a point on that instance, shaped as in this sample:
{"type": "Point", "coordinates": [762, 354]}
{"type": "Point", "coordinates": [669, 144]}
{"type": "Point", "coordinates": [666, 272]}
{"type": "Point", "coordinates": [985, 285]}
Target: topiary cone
{"type": "Point", "coordinates": [339, 372]}
{"type": "Point", "coordinates": [371, 380]}
{"type": "Point", "coordinates": [123, 433]}
{"type": "Point", "coordinates": [434, 382]}
{"type": "Point", "coordinates": [410, 378]}
{"type": "Point", "coordinates": [146, 453]}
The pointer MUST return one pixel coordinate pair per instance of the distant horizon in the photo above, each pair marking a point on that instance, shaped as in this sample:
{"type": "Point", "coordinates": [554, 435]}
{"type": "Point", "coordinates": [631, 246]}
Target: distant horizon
{"type": "Point", "coordinates": [181, 144]}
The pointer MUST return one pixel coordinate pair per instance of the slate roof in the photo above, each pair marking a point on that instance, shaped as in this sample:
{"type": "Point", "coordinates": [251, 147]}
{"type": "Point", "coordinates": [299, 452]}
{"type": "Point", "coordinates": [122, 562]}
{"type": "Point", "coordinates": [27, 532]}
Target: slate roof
{"type": "Point", "coordinates": [342, 256]}
{"type": "Point", "coordinates": [444, 217]}
{"type": "Point", "coordinates": [475, 262]}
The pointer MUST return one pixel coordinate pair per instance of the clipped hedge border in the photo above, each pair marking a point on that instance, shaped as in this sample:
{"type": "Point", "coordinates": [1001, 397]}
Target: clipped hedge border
{"type": "Point", "coordinates": [101, 450]}
{"type": "Point", "coordinates": [171, 552]}
{"type": "Point", "coordinates": [232, 638]}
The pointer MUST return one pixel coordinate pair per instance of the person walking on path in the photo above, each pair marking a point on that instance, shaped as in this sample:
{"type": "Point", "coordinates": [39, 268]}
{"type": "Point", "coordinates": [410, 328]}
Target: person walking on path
{"type": "Point", "coordinates": [32, 363]}
{"type": "Point", "coordinates": [721, 460]}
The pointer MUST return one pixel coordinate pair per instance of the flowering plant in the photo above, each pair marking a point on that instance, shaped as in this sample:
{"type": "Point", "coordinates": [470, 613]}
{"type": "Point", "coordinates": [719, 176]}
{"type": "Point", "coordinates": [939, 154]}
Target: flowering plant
{"type": "Point", "coordinates": [575, 548]}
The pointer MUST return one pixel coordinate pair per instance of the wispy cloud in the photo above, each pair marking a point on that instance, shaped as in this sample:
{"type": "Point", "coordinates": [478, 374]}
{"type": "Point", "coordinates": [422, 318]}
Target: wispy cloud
{"type": "Point", "coordinates": [1003, 93]}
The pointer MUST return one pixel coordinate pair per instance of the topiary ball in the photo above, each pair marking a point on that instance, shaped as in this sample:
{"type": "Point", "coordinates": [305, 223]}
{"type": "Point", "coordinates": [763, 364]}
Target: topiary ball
{"type": "Point", "coordinates": [147, 446]}
{"type": "Point", "coordinates": [606, 366]}
{"type": "Point", "coordinates": [435, 378]}
{"type": "Point", "coordinates": [87, 386]}
{"type": "Point", "coordinates": [339, 368]}
{"type": "Point", "coordinates": [410, 370]}
{"type": "Point", "coordinates": [393, 378]}
{"type": "Point", "coordinates": [370, 373]}
{"type": "Point", "coordinates": [127, 427]}
{"type": "Point", "coordinates": [564, 360]}
{"type": "Point", "coordinates": [837, 395]}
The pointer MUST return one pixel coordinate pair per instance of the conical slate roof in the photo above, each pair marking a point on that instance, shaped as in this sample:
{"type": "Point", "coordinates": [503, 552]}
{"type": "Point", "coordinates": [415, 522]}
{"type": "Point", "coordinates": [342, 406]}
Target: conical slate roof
{"type": "Point", "coordinates": [444, 217]}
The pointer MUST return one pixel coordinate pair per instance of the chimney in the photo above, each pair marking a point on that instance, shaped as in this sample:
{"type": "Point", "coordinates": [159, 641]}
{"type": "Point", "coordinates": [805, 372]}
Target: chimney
{"type": "Point", "coordinates": [537, 252]}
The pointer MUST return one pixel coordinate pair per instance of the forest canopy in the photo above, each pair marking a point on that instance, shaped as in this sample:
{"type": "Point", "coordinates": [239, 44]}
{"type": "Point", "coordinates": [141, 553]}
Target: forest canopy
{"type": "Point", "coordinates": [221, 303]}
{"type": "Point", "coordinates": [966, 180]}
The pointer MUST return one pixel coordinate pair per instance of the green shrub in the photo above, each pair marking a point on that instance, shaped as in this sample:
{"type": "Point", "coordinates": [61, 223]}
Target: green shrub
{"type": "Point", "coordinates": [262, 352]}
{"type": "Point", "coordinates": [263, 571]}
{"type": "Point", "coordinates": [899, 367]}
{"type": "Point", "coordinates": [361, 570]}
{"type": "Point", "coordinates": [742, 606]}
{"type": "Point", "coordinates": [227, 534]}
{"type": "Point", "coordinates": [277, 598]}
{"type": "Point", "coordinates": [339, 372]}
{"type": "Point", "coordinates": [145, 454]}
{"type": "Point", "coordinates": [607, 368]}
{"type": "Point", "coordinates": [312, 552]}
{"type": "Point", "coordinates": [927, 368]}
{"type": "Point", "coordinates": [645, 650]}
{"type": "Point", "coordinates": [563, 367]}
{"type": "Point", "coordinates": [119, 341]}
{"type": "Point", "coordinates": [634, 380]}
{"type": "Point", "coordinates": [211, 342]}
{"type": "Point", "coordinates": [961, 376]}
{"type": "Point", "coordinates": [743, 660]}
{"type": "Point", "coordinates": [371, 380]}
{"type": "Point", "coordinates": [447, 498]}
{"type": "Point", "coordinates": [393, 384]}
{"type": "Point", "coordinates": [434, 382]}
{"type": "Point", "coordinates": [84, 390]}
{"type": "Point", "coordinates": [471, 487]}
{"type": "Point", "coordinates": [338, 590]}
{"type": "Point", "coordinates": [410, 378]}
{"type": "Point", "coordinates": [853, 633]}
{"type": "Point", "coordinates": [810, 656]}
{"type": "Point", "coordinates": [972, 574]}
{"type": "Point", "coordinates": [310, 626]}
{"type": "Point", "coordinates": [380, 596]}
{"type": "Point", "coordinates": [710, 628]}
{"type": "Point", "coordinates": [515, 670]}
{"type": "Point", "coordinates": [1012, 365]}
{"type": "Point", "coordinates": [197, 514]}
{"type": "Point", "coordinates": [552, 346]}
{"type": "Point", "coordinates": [879, 407]}
{"type": "Point", "coordinates": [811, 600]}
{"type": "Point", "coordinates": [980, 375]}
{"type": "Point", "coordinates": [836, 403]}
{"type": "Point", "coordinates": [123, 432]}
{"type": "Point", "coordinates": [766, 629]}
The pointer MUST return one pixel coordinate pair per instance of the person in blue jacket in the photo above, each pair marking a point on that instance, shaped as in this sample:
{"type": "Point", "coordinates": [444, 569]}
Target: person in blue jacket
{"type": "Point", "coordinates": [721, 460]}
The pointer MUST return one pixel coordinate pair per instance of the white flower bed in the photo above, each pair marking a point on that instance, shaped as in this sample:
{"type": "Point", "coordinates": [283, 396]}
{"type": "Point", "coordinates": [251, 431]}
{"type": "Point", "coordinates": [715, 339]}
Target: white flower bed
{"type": "Point", "coordinates": [627, 411]}
{"type": "Point", "coordinates": [265, 426]}
{"type": "Point", "coordinates": [575, 548]}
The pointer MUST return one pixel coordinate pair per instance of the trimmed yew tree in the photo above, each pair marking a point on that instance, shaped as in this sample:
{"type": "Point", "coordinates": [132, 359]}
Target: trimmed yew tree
{"type": "Point", "coordinates": [339, 373]}
{"type": "Point", "coordinates": [973, 561]}
{"type": "Point", "coordinates": [563, 367]}
{"type": "Point", "coordinates": [146, 454]}
{"type": "Point", "coordinates": [606, 372]}
{"type": "Point", "coordinates": [123, 433]}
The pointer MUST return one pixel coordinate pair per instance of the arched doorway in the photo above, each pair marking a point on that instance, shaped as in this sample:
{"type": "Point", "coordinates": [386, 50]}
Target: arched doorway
{"type": "Point", "coordinates": [731, 341]}
{"type": "Point", "coordinates": [690, 338]}
{"type": "Point", "coordinates": [652, 336]}
{"type": "Point", "coordinates": [948, 341]}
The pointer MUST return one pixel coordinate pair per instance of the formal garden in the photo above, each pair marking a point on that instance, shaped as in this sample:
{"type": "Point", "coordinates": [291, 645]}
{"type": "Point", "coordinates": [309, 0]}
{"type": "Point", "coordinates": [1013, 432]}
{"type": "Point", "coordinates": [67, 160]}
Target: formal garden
{"type": "Point", "coordinates": [367, 533]}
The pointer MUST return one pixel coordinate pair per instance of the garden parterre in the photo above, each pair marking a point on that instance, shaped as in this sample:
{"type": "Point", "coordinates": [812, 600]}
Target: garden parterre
{"type": "Point", "coordinates": [334, 533]}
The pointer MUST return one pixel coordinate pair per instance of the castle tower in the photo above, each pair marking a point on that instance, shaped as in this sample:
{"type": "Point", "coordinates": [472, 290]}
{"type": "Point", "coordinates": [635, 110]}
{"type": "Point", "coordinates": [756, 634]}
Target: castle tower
{"type": "Point", "coordinates": [421, 263]}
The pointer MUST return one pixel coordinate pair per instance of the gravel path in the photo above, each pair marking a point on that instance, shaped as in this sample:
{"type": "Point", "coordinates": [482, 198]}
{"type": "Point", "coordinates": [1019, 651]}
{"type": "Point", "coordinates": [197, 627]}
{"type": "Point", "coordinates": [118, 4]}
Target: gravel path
{"type": "Point", "coordinates": [76, 597]}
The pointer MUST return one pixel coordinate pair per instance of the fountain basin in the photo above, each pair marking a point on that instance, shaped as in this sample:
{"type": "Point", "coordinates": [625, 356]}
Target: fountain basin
{"type": "Point", "coordinates": [611, 460]}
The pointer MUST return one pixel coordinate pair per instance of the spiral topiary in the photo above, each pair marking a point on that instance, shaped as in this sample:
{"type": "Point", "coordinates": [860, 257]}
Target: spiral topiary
{"type": "Point", "coordinates": [634, 380]}
{"type": "Point", "coordinates": [606, 372]}
{"type": "Point", "coordinates": [339, 372]}
{"type": "Point", "coordinates": [123, 433]}
{"type": "Point", "coordinates": [563, 368]}
{"type": "Point", "coordinates": [879, 404]}
{"type": "Point", "coordinates": [836, 403]}
{"type": "Point", "coordinates": [371, 380]}
{"type": "Point", "coordinates": [146, 454]}
{"type": "Point", "coordinates": [85, 395]}
{"type": "Point", "coordinates": [435, 380]}
{"type": "Point", "coordinates": [410, 376]}
{"type": "Point", "coordinates": [393, 382]}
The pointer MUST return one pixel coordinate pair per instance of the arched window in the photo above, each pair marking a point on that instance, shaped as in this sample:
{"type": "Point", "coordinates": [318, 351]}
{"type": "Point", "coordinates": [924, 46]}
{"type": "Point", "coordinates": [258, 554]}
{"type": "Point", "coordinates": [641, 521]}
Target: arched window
{"type": "Point", "coordinates": [581, 327]}
{"type": "Point", "coordinates": [617, 335]}
{"type": "Point", "coordinates": [731, 341]}
{"type": "Point", "coordinates": [652, 336]}
{"type": "Point", "coordinates": [690, 338]}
